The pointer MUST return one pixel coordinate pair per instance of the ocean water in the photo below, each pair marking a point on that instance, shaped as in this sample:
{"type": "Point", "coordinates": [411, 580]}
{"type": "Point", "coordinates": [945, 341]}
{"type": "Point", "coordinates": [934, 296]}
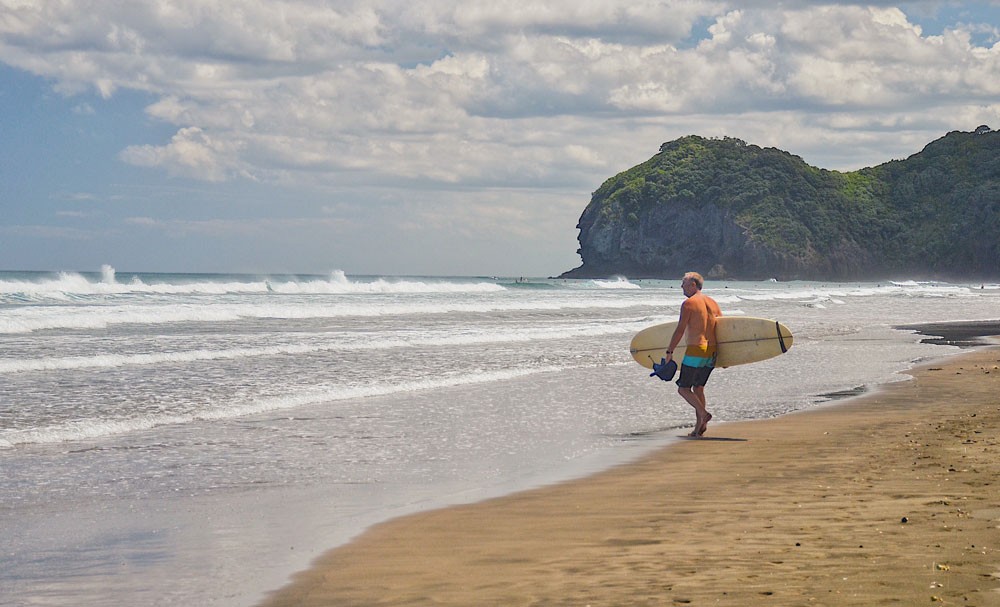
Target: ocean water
{"type": "Point", "coordinates": [196, 439]}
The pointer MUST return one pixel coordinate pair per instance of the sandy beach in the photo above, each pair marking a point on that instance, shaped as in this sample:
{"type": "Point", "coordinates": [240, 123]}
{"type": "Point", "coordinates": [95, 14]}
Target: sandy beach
{"type": "Point", "coordinates": [888, 499]}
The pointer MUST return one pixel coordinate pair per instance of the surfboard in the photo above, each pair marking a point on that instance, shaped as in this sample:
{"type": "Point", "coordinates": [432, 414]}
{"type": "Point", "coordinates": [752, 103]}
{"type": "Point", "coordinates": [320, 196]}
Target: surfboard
{"type": "Point", "coordinates": [742, 340]}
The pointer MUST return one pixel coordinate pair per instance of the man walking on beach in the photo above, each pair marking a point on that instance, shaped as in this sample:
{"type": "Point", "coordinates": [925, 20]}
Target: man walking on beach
{"type": "Point", "coordinates": [698, 317]}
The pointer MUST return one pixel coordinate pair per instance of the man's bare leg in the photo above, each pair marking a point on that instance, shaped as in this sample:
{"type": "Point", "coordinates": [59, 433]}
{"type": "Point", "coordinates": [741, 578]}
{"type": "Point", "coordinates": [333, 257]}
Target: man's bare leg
{"type": "Point", "coordinates": [696, 398]}
{"type": "Point", "coordinates": [699, 392]}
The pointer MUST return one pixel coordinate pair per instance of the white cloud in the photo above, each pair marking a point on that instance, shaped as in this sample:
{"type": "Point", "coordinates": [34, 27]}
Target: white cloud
{"type": "Point", "coordinates": [84, 109]}
{"type": "Point", "coordinates": [265, 89]}
{"type": "Point", "coordinates": [239, 228]}
{"type": "Point", "coordinates": [191, 153]}
{"type": "Point", "coordinates": [50, 232]}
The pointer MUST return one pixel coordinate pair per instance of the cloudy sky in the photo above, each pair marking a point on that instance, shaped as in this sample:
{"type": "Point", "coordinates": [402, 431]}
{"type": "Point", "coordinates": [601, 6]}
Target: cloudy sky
{"type": "Point", "coordinates": [443, 137]}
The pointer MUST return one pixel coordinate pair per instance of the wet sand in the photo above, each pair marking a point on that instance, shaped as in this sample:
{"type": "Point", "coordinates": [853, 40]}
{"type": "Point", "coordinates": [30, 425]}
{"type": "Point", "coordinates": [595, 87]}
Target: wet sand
{"type": "Point", "coordinates": [888, 499]}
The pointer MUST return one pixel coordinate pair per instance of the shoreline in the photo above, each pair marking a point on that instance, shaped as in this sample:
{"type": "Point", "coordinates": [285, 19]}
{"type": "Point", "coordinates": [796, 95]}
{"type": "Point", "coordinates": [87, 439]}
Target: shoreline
{"type": "Point", "coordinates": [807, 507]}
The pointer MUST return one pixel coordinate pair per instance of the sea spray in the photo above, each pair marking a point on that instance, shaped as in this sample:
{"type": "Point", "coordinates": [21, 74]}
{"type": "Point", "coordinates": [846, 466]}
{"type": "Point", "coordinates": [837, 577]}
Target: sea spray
{"type": "Point", "coordinates": [107, 274]}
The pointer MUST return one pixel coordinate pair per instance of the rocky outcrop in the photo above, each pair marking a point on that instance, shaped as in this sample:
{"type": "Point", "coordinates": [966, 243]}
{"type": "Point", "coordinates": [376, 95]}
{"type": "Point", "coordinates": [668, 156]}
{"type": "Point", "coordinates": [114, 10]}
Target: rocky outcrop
{"type": "Point", "coordinates": [732, 210]}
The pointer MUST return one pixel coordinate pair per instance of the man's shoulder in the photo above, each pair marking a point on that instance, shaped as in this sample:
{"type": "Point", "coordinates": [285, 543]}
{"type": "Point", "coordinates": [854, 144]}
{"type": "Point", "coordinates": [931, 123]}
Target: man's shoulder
{"type": "Point", "coordinates": [699, 300]}
{"type": "Point", "coordinates": [701, 296]}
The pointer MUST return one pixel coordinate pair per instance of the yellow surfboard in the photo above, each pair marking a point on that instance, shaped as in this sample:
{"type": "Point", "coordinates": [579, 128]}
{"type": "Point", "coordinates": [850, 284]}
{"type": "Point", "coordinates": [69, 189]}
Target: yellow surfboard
{"type": "Point", "coordinates": [742, 340]}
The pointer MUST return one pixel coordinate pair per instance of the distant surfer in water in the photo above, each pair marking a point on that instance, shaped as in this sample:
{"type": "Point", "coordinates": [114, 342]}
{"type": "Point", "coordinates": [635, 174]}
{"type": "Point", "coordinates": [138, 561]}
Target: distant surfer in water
{"type": "Point", "coordinates": [698, 314]}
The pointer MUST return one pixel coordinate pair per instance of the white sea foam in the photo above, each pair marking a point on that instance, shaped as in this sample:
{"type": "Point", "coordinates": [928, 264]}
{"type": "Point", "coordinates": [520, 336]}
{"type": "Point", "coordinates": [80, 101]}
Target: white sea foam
{"type": "Point", "coordinates": [165, 307]}
{"type": "Point", "coordinates": [619, 282]}
{"type": "Point", "coordinates": [808, 292]}
{"type": "Point", "coordinates": [325, 343]}
{"type": "Point", "coordinates": [67, 286]}
{"type": "Point", "coordinates": [339, 283]}
{"type": "Point", "coordinates": [28, 319]}
{"type": "Point", "coordinates": [76, 430]}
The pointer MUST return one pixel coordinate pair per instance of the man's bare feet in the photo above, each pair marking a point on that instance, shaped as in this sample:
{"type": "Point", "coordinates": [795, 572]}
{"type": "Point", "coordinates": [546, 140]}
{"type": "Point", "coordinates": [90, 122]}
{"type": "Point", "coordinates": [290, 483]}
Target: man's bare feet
{"type": "Point", "coordinates": [700, 430]}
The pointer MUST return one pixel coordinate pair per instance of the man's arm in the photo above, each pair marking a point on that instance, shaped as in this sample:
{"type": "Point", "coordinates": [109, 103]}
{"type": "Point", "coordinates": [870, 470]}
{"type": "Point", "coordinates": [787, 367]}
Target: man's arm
{"type": "Point", "coordinates": [675, 339]}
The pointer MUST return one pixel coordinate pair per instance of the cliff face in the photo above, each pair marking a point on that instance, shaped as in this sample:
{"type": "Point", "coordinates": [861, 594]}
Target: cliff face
{"type": "Point", "coordinates": [728, 209]}
{"type": "Point", "coordinates": [667, 242]}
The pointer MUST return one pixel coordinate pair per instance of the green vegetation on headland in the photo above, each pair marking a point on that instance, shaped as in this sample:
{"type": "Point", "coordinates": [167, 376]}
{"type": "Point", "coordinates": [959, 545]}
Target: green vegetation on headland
{"type": "Point", "coordinates": [729, 209]}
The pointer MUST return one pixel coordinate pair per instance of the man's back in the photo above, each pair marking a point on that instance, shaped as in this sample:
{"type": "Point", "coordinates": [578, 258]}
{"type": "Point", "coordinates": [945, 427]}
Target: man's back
{"type": "Point", "coordinates": [701, 312]}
